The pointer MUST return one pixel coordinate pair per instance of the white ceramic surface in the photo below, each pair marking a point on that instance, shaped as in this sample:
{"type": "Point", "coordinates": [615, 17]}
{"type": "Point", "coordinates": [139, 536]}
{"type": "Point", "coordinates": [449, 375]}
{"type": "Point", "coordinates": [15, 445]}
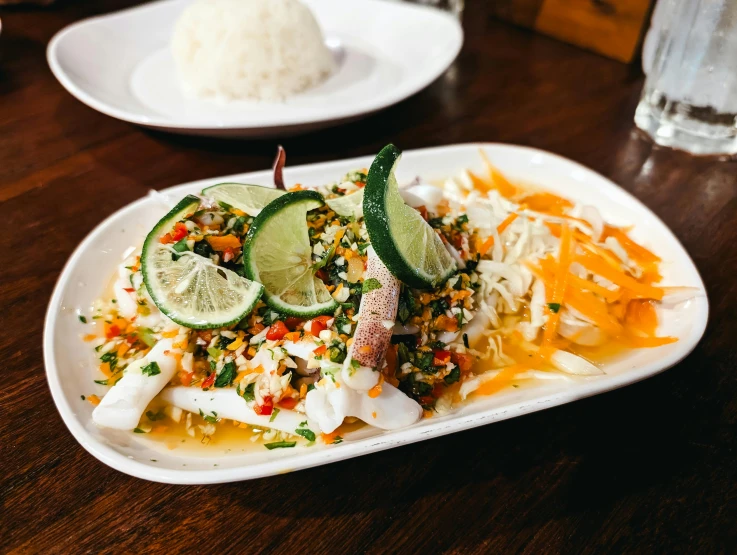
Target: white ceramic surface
{"type": "Point", "coordinates": [70, 362]}
{"type": "Point", "coordinates": [120, 64]}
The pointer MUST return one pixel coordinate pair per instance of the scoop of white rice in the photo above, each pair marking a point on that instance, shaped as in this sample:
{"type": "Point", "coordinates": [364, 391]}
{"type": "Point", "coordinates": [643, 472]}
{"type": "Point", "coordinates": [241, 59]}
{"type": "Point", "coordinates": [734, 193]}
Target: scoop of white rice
{"type": "Point", "coordinates": [249, 49]}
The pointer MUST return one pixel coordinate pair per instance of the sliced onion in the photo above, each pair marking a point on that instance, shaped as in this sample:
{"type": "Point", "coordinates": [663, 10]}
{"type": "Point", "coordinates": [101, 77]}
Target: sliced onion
{"type": "Point", "coordinates": [573, 364]}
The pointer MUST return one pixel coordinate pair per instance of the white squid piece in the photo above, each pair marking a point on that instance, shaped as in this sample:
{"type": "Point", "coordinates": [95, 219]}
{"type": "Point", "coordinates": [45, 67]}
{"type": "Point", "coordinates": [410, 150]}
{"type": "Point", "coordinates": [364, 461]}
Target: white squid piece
{"type": "Point", "coordinates": [330, 404]}
{"type": "Point", "coordinates": [226, 403]}
{"type": "Point", "coordinates": [125, 402]}
{"type": "Point", "coordinates": [373, 334]}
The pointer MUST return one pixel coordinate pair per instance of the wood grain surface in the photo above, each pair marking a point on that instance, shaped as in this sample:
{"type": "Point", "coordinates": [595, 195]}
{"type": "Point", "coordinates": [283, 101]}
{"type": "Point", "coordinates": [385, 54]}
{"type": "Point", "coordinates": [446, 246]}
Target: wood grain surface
{"type": "Point", "coordinates": [648, 468]}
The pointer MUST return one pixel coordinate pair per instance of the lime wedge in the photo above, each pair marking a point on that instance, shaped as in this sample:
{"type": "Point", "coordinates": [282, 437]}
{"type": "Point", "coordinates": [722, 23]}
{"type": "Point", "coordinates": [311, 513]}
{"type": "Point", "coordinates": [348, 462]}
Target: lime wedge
{"type": "Point", "coordinates": [249, 198]}
{"type": "Point", "coordinates": [402, 239]}
{"type": "Point", "coordinates": [191, 289]}
{"type": "Point", "coordinates": [348, 205]}
{"type": "Point", "coordinates": [277, 253]}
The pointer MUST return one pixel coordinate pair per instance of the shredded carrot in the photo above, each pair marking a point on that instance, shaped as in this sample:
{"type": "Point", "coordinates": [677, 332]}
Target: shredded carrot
{"type": "Point", "coordinates": [501, 380]}
{"type": "Point", "coordinates": [237, 212]}
{"type": "Point", "coordinates": [302, 390]}
{"type": "Point", "coordinates": [601, 268]}
{"type": "Point", "coordinates": [89, 337]}
{"type": "Point", "coordinates": [220, 243]}
{"type": "Point", "coordinates": [499, 229]}
{"type": "Point", "coordinates": [632, 248]}
{"type": "Point", "coordinates": [94, 399]}
{"type": "Point", "coordinates": [172, 333]}
{"type": "Point", "coordinates": [364, 349]}
{"type": "Point", "coordinates": [240, 375]}
{"type": "Point", "coordinates": [320, 350]}
{"type": "Point", "coordinates": [548, 266]}
{"type": "Point", "coordinates": [547, 203]}
{"type": "Point", "coordinates": [159, 429]}
{"type": "Point", "coordinates": [559, 287]}
{"type": "Point", "coordinates": [498, 181]}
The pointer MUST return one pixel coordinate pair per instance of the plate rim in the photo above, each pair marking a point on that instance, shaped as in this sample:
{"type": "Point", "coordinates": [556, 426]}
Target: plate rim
{"type": "Point", "coordinates": [161, 122]}
{"type": "Point", "coordinates": [388, 440]}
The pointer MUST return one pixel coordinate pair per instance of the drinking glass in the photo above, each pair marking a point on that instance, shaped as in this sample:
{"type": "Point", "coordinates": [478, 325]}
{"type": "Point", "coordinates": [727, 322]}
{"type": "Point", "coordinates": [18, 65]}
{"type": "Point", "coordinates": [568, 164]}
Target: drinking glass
{"type": "Point", "coordinates": [689, 100]}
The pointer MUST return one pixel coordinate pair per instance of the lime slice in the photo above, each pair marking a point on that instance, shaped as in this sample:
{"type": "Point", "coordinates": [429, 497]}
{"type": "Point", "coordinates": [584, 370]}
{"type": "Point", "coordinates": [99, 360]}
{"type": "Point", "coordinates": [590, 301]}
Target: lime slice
{"type": "Point", "coordinates": [191, 289]}
{"type": "Point", "coordinates": [249, 198]}
{"type": "Point", "coordinates": [348, 205]}
{"type": "Point", "coordinates": [277, 253]}
{"type": "Point", "coordinates": [402, 239]}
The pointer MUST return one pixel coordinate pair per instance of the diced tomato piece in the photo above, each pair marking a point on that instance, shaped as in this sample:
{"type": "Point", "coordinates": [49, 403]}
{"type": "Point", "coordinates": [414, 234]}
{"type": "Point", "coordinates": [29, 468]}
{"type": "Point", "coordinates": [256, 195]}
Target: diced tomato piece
{"type": "Point", "coordinates": [228, 254]}
{"type": "Point", "coordinates": [423, 211]}
{"type": "Point", "coordinates": [442, 355]}
{"type": "Point", "coordinates": [186, 377]}
{"type": "Point", "coordinates": [292, 322]}
{"type": "Point", "coordinates": [437, 391]}
{"type": "Point", "coordinates": [208, 381]}
{"type": "Point", "coordinates": [288, 403]}
{"type": "Point", "coordinates": [129, 289]}
{"type": "Point", "coordinates": [112, 331]}
{"type": "Point", "coordinates": [180, 232]}
{"type": "Point", "coordinates": [277, 331]}
{"type": "Point", "coordinates": [464, 361]}
{"type": "Point", "coordinates": [266, 408]}
{"type": "Point", "coordinates": [320, 323]}
{"type": "Point", "coordinates": [166, 239]}
{"type": "Point", "coordinates": [323, 275]}
{"type": "Point", "coordinates": [321, 350]}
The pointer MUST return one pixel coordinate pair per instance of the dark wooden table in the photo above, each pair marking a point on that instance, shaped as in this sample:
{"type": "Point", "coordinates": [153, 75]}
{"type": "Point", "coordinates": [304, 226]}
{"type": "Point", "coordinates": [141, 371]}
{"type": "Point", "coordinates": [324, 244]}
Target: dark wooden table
{"type": "Point", "coordinates": [649, 468]}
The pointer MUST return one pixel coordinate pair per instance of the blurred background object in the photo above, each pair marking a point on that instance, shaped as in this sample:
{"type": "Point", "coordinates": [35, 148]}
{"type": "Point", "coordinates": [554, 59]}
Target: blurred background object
{"type": "Point", "coordinates": [610, 27]}
{"type": "Point", "coordinates": [689, 100]}
{"type": "Point", "coordinates": [453, 6]}
{"type": "Point", "coordinates": [37, 2]}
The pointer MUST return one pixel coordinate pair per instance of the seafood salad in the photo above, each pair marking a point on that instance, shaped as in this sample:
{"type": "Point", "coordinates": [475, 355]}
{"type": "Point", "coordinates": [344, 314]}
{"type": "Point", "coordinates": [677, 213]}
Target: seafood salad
{"type": "Point", "coordinates": [296, 313]}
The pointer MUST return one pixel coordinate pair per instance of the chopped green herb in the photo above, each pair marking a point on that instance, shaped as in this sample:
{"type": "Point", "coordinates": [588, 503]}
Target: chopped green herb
{"type": "Point", "coordinates": [306, 433]}
{"type": "Point", "coordinates": [214, 352]}
{"type": "Point", "coordinates": [248, 393]}
{"type": "Point", "coordinates": [82, 319]}
{"type": "Point", "coordinates": [101, 382]}
{"type": "Point", "coordinates": [370, 284]}
{"type": "Point", "coordinates": [338, 439]}
{"type": "Point", "coordinates": [208, 418]}
{"type": "Point", "coordinates": [273, 415]}
{"type": "Point", "coordinates": [227, 375]}
{"type": "Point", "coordinates": [154, 416]}
{"type": "Point", "coordinates": [82, 397]}
{"type": "Point", "coordinates": [465, 340]}
{"type": "Point", "coordinates": [554, 307]}
{"type": "Point", "coordinates": [111, 358]}
{"type": "Point", "coordinates": [223, 341]}
{"type": "Point", "coordinates": [139, 431]}
{"type": "Point", "coordinates": [454, 376]}
{"type": "Point", "coordinates": [327, 257]}
{"type": "Point", "coordinates": [280, 445]}
{"type": "Point", "coordinates": [151, 369]}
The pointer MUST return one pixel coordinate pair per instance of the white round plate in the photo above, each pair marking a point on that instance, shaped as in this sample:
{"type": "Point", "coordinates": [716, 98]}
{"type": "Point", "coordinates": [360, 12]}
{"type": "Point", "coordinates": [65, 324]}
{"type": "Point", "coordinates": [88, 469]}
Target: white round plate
{"type": "Point", "coordinates": [120, 64]}
{"type": "Point", "coordinates": [70, 362]}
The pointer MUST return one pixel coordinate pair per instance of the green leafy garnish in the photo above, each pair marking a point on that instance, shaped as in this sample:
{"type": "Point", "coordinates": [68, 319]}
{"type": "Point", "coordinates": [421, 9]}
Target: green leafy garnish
{"type": "Point", "coordinates": [370, 284]}
{"type": "Point", "coordinates": [306, 433]}
{"type": "Point", "coordinates": [214, 352]}
{"type": "Point", "coordinates": [208, 418]}
{"type": "Point", "coordinates": [151, 369]}
{"type": "Point", "coordinates": [82, 319]}
{"type": "Point", "coordinates": [154, 416]}
{"type": "Point", "coordinates": [554, 307]}
{"type": "Point", "coordinates": [273, 415]}
{"type": "Point", "coordinates": [280, 445]}
{"type": "Point", "coordinates": [227, 375]}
